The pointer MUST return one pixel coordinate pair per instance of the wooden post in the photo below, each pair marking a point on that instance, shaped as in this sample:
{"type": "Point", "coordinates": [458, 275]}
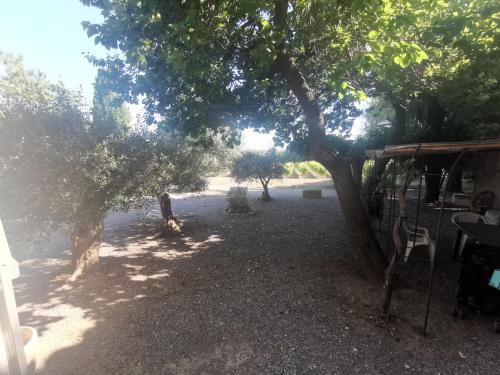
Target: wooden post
{"type": "Point", "coordinates": [12, 357]}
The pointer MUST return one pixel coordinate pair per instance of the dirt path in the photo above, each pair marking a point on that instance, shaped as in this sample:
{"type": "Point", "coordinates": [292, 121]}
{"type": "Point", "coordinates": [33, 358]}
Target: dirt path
{"type": "Point", "coordinates": [277, 292]}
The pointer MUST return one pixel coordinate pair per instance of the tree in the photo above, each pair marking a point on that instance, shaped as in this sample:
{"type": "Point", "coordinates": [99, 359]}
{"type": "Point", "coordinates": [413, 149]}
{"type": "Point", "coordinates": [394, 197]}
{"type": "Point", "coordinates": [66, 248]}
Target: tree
{"type": "Point", "coordinates": [178, 165]}
{"type": "Point", "coordinates": [452, 95]}
{"type": "Point", "coordinates": [294, 67]}
{"type": "Point", "coordinates": [53, 170]}
{"type": "Point", "coordinates": [63, 164]}
{"type": "Point", "coordinates": [258, 166]}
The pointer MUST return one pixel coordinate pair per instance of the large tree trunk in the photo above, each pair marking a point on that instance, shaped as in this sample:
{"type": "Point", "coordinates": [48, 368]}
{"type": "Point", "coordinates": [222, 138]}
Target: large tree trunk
{"type": "Point", "coordinates": [357, 171]}
{"type": "Point", "coordinates": [358, 224]}
{"type": "Point", "coordinates": [265, 195]}
{"type": "Point", "coordinates": [357, 221]}
{"type": "Point", "coordinates": [434, 115]}
{"type": "Point", "coordinates": [456, 182]}
{"type": "Point", "coordinates": [433, 180]}
{"type": "Point", "coordinates": [85, 244]}
{"type": "Point", "coordinates": [399, 125]}
{"type": "Point", "coordinates": [170, 225]}
{"type": "Point", "coordinates": [432, 188]}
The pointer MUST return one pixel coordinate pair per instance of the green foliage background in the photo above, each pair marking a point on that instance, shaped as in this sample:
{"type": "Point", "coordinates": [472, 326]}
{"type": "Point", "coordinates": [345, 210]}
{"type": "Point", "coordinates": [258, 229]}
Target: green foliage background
{"type": "Point", "coordinates": [305, 169]}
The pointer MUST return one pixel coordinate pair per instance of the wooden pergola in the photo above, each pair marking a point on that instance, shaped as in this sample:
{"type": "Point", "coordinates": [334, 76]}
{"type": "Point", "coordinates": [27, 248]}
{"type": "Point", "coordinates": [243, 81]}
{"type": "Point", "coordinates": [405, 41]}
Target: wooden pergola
{"type": "Point", "coordinates": [411, 152]}
{"type": "Point", "coordinates": [433, 148]}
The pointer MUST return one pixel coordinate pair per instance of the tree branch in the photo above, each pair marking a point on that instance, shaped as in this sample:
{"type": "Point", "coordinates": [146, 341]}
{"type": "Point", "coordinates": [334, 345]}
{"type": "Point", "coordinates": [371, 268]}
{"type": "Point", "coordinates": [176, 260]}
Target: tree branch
{"type": "Point", "coordinates": [315, 120]}
{"type": "Point", "coordinates": [280, 21]}
{"type": "Point", "coordinates": [262, 181]}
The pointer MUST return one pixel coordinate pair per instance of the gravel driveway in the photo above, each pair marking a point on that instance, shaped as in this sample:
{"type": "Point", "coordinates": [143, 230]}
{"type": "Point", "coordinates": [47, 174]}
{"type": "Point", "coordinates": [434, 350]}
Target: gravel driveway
{"type": "Point", "coordinates": [277, 292]}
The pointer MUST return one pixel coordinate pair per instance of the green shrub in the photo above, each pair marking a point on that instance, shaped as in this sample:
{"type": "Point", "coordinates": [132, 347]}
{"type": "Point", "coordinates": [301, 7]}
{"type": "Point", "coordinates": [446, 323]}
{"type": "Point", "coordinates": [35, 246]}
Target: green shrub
{"type": "Point", "coordinates": [305, 169]}
{"type": "Point", "coordinates": [318, 168]}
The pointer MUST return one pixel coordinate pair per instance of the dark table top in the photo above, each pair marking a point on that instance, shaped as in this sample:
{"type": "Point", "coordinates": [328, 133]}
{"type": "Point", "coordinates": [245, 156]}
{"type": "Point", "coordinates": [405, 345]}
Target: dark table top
{"type": "Point", "coordinates": [486, 234]}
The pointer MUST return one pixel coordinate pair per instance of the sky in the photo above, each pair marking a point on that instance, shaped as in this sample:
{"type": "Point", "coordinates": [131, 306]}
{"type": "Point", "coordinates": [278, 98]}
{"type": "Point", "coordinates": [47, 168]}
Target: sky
{"type": "Point", "coordinates": [50, 37]}
{"type": "Point", "coordinates": [251, 140]}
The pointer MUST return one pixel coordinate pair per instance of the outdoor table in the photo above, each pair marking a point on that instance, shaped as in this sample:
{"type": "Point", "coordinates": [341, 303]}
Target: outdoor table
{"type": "Point", "coordinates": [485, 234]}
{"type": "Point", "coordinates": [477, 288]}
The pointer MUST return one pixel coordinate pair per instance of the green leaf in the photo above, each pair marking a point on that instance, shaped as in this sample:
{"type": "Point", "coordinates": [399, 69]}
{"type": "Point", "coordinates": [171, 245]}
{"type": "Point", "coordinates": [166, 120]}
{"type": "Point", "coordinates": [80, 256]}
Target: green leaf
{"type": "Point", "coordinates": [421, 56]}
{"type": "Point", "coordinates": [360, 94]}
{"type": "Point", "coordinates": [398, 60]}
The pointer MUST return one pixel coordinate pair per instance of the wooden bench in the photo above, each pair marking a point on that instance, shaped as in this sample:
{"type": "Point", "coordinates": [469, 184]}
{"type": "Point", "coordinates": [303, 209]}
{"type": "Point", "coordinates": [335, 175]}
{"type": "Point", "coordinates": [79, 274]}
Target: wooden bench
{"type": "Point", "coordinates": [312, 193]}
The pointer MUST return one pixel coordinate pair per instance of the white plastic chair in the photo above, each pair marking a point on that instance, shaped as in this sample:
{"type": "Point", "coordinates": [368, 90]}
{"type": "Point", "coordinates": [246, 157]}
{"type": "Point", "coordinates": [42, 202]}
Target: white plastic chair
{"type": "Point", "coordinates": [466, 217]}
{"type": "Point", "coordinates": [418, 237]}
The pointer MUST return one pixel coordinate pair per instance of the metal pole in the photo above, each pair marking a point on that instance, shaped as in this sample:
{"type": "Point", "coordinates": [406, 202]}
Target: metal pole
{"type": "Point", "coordinates": [392, 206]}
{"type": "Point", "coordinates": [392, 266]}
{"type": "Point", "coordinates": [392, 270]}
{"type": "Point", "coordinates": [417, 216]}
{"type": "Point", "coordinates": [418, 204]}
{"type": "Point", "coordinates": [438, 232]}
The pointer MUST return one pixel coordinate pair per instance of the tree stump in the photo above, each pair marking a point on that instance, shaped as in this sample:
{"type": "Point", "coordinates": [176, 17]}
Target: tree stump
{"type": "Point", "coordinates": [238, 200]}
{"type": "Point", "coordinates": [170, 225]}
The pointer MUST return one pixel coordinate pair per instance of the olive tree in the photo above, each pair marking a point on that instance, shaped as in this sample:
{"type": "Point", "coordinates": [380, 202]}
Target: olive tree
{"type": "Point", "coordinates": [178, 165]}
{"type": "Point", "coordinates": [58, 164]}
{"type": "Point", "coordinates": [62, 163]}
{"type": "Point", "coordinates": [251, 166]}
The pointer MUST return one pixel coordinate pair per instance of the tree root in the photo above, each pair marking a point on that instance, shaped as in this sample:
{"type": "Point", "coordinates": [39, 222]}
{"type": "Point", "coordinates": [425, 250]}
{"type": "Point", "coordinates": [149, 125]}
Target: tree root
{"type": "Point", "coordinates": [171, 227]}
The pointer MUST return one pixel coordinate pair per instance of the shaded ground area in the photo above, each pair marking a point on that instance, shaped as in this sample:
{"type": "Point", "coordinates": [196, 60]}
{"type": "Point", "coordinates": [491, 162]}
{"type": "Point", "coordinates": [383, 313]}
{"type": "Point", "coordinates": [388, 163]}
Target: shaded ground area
{"type": "Point", "coordinates": [278, 292]}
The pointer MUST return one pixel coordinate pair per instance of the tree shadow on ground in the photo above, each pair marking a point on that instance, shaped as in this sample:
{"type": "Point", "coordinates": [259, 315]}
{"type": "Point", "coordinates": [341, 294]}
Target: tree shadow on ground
{"type": "Point", "coordinates": [270, 293]}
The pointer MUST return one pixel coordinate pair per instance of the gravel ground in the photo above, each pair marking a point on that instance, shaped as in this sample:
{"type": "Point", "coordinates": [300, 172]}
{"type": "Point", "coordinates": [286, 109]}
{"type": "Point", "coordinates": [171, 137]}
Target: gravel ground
{"type": "Point", "coordinates": [276, 292]}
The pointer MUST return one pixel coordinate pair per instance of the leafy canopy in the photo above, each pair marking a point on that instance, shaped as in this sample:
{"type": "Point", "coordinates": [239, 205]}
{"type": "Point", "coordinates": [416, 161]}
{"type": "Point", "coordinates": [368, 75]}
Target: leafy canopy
{"type": "Point", "coordinates": [202, 64]}
{"type": "Point", "coordinates": [460, 74]}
